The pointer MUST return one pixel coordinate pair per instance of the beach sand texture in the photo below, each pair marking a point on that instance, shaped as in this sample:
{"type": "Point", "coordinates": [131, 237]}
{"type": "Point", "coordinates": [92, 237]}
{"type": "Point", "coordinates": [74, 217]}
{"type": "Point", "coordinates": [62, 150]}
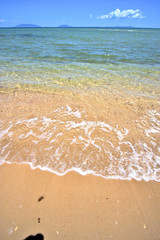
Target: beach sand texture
{"type": "Point", "coordinates": [72, 206]}
{"type": "Point", "coordinates": [75, 206]}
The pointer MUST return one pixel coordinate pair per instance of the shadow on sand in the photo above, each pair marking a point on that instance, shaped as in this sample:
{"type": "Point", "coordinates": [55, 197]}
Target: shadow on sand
{"type": "Point", "coordinates": [39, 236]}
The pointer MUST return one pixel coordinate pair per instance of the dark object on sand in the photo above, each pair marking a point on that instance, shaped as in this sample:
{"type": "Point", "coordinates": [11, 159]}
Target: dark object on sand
{"type": "Point", "coordinates": [40, 198]}
{"type": "Point", "coordinates": [39, 236]}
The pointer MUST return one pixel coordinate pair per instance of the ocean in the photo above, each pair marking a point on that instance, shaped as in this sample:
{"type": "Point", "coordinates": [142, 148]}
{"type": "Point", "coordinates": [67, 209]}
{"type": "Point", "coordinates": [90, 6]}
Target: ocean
{"type": "Point", "coordinates": [81, 99]}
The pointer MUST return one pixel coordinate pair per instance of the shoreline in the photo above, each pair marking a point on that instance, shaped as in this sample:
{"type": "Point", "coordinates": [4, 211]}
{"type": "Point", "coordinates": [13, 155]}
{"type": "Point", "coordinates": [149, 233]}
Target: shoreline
{"type": "Point", "coordinates": [109, 136]}
{"type": "Point", "coordinates": [75, 206]}
{"type": "Point", "coordinates": [77, 171]}
{"type": "Point", "coordinates": [80, 135]}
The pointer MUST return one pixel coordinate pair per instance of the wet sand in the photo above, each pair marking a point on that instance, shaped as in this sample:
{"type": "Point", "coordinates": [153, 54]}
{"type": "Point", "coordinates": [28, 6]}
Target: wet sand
{"type": "Point", "coordinates": [75, 206]}
{"type": "Point", "coordinates": [112, 135]}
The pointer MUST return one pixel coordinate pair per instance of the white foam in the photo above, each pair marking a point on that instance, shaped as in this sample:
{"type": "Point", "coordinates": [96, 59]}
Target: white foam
{"type": "Point", "coordinates": [4, 148]}
{"type": "Point", "coordinates": [151, 130]}
{"type": "Point", "coordinates": [23, 136]}
{"type": "Point", "coordinates": [85, 172]}
{"type": "Point", "coordinates": [28, 122]}
{"type": "Point", "coordinates": [121, 134]}
{"type": "Point", "coordinates": [139, 160]}
{"type": "Point", "coordinates": [10, 134]}
{"type": "Point", "coordinates": [5, 131]}
{"type": "Point", "coordinates": [68, 111]}
{"type": "Point", "coordinates": [76, 113]}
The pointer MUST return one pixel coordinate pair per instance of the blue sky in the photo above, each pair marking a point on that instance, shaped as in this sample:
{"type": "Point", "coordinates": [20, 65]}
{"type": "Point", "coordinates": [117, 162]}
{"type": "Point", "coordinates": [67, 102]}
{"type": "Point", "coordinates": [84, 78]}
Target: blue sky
{"type": "Point", "coordinates": [103, 13]}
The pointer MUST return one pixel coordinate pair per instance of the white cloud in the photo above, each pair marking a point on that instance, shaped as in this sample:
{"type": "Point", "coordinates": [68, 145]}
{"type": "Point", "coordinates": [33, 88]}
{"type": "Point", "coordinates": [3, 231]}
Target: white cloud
{"type": "Point", "coordinates": [2, 20]}
{"type": "Point", "coordinates": [130, 13]}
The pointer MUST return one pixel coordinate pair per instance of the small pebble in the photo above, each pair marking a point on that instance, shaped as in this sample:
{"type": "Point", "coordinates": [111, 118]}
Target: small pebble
{"type": "Point", "coordinates": [40, 198]}
{"type": "Point", "coordinates": [16, 228]}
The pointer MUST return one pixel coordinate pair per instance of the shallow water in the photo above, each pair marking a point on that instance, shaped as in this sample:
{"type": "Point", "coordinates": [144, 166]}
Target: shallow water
{"type": "Point", "coordinates": [81, 99]}
{"type": "Point", "coordinates": [113, 138]}
{"type": "Point", "coordinates": [80, 58]}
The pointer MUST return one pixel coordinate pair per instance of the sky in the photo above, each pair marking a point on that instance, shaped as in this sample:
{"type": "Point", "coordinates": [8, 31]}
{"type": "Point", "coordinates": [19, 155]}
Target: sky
{"type": "Point", "coordinates": [102, 13]}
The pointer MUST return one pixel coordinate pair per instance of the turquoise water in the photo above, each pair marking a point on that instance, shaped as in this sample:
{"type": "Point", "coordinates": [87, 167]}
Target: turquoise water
{"type": "Point", "coordinates": [81, 58]}
{"type": "Point", "coordinates": [98, 132]}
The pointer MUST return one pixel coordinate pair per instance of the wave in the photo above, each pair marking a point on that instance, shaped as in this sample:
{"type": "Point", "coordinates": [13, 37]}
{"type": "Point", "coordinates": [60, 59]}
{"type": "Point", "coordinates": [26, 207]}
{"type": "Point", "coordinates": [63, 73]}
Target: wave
{"type": "Point", "coordinates": [68, 141]}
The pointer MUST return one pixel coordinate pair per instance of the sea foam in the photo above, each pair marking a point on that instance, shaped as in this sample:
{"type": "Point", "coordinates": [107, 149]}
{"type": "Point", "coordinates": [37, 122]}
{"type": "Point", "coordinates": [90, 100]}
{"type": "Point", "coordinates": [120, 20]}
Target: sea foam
{"type": "Point", "coordinates": [59, 144]}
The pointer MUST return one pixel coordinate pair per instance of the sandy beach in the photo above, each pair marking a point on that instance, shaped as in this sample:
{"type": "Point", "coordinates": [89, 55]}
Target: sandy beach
{"type": "Point", "coordinates": [72, 206]}
{"type": "Point", "coordinates": [75, 206]}
{"type": "Point", "coordinates": [111, 135]}
{"type": "Point", "coordinates": [80, 130]}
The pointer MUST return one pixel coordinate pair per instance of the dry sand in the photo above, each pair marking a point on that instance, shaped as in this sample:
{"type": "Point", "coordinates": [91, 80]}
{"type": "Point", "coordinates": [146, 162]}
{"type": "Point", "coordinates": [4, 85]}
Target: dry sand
{"type": "Point", "coordinates": [75, 206]}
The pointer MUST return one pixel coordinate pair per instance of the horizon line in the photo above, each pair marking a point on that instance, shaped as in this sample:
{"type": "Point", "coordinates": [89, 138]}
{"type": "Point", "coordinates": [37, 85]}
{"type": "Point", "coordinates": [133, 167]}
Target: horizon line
{"type": "Point", "coordinates": [83, 27]}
